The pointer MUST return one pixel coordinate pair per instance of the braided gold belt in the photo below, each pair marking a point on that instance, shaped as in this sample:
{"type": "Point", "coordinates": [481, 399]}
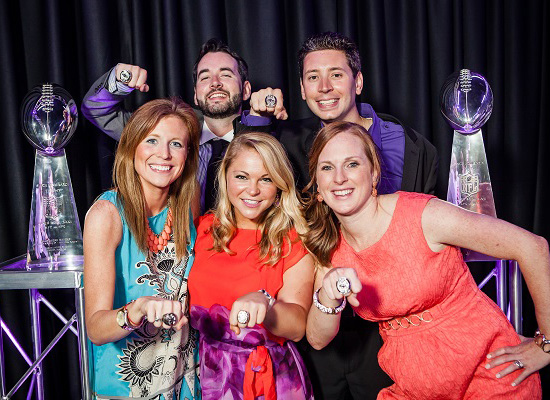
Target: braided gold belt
{"type": "Point", "coordinates": [405, 322]}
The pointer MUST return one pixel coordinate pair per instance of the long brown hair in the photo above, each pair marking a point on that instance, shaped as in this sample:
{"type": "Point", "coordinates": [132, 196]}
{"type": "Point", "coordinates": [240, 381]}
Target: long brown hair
{"type": "Point", "coordinates": [127, 181]}
{"type": "Point", "coordinates": [279, 219]}
{"type": "Point", "coordinates": [323, 233]}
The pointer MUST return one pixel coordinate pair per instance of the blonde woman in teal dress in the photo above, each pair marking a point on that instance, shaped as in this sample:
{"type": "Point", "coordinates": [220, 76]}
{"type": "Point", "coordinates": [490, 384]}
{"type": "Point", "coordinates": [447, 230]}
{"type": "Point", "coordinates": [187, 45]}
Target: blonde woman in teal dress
{"type": "Point", "coordinates": [138, 241]}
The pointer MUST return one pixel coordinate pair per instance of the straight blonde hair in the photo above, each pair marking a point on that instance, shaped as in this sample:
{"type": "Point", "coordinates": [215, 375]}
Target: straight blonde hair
{"type": "Point", "coordinates": [127, 181]}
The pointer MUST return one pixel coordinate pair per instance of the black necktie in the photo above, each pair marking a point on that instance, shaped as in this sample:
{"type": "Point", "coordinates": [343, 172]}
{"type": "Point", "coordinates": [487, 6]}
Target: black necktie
{"type": "Point", "coordinates": [218, 150]}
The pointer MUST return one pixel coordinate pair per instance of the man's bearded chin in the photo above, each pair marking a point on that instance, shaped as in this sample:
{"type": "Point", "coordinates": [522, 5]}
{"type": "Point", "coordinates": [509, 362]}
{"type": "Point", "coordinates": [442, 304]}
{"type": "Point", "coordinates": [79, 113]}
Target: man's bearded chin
{"type": "Point", "coordinates": [222, 110]}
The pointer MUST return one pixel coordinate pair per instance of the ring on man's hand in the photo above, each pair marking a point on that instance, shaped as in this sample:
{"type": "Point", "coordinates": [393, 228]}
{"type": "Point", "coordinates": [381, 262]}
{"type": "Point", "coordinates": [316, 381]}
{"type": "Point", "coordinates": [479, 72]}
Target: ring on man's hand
{"type": "Point", "coordinates": [243, 317]}
{"type": "Point", "coordinates": [270, 101]}
{"type": "Point", "coordinates": [343, 285]}
{"type": "Point", "coordinates": [519, 364]}
{"type": "Point", "coordinates": [170, 319]}
{"type": "Point", "coordinates": [157, 319]}
{"type": "Point", "coordinates": [125, 76]}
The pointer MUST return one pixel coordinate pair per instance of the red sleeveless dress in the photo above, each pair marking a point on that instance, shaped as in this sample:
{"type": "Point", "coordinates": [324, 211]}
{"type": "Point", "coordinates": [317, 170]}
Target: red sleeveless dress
{"type": "Point", "coordinates": [445, 357]}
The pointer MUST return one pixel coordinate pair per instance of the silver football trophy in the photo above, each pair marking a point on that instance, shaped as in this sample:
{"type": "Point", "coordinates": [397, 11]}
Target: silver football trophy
{"type": "Point", "coordinates": [49, 117]}
{"type": "Point", "coordinates": [466, 102]}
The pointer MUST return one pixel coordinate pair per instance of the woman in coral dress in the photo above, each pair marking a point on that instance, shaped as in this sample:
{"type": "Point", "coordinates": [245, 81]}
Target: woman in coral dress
{"type": "Point", "coordinates": [251, 283]}
{"type": "Point", "coordinates": [396, 259]}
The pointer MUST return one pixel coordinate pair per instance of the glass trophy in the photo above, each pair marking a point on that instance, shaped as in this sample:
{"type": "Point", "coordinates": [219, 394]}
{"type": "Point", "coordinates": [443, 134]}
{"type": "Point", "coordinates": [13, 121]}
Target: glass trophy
{"type": "Point", "coordinates": [49, 117]}
{"type": "Point", "coordinates": [466, 102]}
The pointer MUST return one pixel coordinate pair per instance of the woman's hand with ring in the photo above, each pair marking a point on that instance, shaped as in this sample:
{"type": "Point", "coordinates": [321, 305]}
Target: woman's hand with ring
{"type": "Point", "coordinates": [157, 309]}
{"type": "Point", "coordinates": [526, 356]}
{"type": "Point", "coordinates": [255, 304]}
{"type": "Point", "coordinates": [339, 283]}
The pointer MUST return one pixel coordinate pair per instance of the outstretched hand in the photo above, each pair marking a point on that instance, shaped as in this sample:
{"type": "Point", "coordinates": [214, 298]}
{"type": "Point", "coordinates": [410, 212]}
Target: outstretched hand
{"type": "Point", "coordinates": [330, 289]}
{"type": "Point", "coordinates": [529, 355]}
{"type": "Point", "coordinates": [139, 76]}
{"type": "Point", "coordinates": [255, 304]}
{"type": "Point", "coordinates": [258, 104]}
{"type": "Point", "coordinates": [154, 308]}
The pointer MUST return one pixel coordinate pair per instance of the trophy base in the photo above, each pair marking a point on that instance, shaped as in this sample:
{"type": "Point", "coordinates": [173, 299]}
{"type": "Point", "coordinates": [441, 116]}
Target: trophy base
{"type": "Point", "coordinates": [61, 263]}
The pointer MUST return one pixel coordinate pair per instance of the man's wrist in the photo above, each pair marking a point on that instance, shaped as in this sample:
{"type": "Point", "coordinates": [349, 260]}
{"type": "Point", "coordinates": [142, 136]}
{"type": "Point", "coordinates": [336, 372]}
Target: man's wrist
{"type": "Point", "coordinates": [249, 119]}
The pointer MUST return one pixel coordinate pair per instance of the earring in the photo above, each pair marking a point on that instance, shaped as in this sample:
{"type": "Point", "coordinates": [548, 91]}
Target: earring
{"type": "Point", "coordinates": [277, 200]}
{"type": "Point", "coordinates": [319, 198]}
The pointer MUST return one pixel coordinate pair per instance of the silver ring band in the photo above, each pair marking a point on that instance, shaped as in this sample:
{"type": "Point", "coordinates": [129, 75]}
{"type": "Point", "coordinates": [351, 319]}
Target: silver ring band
{"type": "Point", "coordinates": [343, 285]}
{"type": "Point", "coordinates": [125, 76]}
{"type": "Point", "coordinates": [519, 364]}
{"type": "Point", "coordinates": [170, 319]}
{"type": "Point", "coordinates": [270, 101]}
{"type": "Point", "coordinates": [243, 317]}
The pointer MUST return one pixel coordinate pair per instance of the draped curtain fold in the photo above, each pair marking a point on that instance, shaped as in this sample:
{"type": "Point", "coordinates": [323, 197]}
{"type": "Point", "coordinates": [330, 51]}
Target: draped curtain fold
{"type": "Point", "coordinates": [408, 48]}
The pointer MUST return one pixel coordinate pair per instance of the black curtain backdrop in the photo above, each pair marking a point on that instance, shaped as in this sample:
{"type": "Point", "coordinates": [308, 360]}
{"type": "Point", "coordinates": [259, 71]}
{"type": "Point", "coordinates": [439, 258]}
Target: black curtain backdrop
{"type": "Point", "coordinates": [408, 48]}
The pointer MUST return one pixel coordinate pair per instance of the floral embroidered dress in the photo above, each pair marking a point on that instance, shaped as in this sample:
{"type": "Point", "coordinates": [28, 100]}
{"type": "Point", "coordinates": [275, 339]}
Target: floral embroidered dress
{"type": "Point", "coordinates": [255, 362]}
{"type": "Point", "coordinates": [150, 363]}
{"type": "Point", "coordinates": [442, 356]}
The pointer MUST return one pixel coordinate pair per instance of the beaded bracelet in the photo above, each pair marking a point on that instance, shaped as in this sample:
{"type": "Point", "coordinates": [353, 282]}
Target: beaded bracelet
{"type": "Point", "coordinates": [325, 309]}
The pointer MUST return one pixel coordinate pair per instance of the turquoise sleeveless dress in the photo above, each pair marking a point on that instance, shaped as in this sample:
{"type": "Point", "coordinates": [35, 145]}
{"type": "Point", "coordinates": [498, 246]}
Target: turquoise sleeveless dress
{"type": "Point", "coordinates": [150, 363]}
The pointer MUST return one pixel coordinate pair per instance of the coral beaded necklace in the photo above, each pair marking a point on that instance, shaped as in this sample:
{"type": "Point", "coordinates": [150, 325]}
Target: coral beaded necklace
{"type": "Point", "coordinates": [158, 242]}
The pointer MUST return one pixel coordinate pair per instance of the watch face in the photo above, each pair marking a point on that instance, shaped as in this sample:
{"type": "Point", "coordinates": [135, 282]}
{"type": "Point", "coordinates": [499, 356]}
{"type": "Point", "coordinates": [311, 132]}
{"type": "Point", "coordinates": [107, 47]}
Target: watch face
{"type": "Point", "coordinates": [120, 318]}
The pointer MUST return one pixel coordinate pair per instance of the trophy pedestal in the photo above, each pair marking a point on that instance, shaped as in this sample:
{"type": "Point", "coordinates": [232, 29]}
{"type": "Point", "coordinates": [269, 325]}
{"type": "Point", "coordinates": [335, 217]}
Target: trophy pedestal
{"type": "Point", "coordinates": [14, 274]}
{"type": "Point", "coordinates": [469, 181]}
{"type": "Point", "coordinates": [55, 238]}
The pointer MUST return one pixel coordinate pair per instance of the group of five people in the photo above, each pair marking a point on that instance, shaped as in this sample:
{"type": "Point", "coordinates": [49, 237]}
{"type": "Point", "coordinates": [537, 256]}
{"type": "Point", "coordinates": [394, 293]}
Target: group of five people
{"type": "Point", "coordinates": [170, 292]}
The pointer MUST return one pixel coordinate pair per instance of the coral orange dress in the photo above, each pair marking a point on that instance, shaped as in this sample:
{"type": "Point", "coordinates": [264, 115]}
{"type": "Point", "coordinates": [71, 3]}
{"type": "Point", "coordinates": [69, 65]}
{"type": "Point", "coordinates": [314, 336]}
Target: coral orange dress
{"type": "Point", "coordinates": [442, 357]}
{"type": "Point", "coordinates": [255, 362]}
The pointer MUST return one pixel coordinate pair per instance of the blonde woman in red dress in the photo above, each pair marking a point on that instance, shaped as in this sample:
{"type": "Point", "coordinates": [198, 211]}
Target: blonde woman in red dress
{"type": "Point", "coordinates": [252, 281]}
{"type": "Point", "coordinates": [396, 258]}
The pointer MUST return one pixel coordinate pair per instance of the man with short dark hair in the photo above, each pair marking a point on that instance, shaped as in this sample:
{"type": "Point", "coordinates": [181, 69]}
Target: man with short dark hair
{"type": "Point", "coordinates": [330, 80]}
{"type": "Point", "coordinates": [221, 83]}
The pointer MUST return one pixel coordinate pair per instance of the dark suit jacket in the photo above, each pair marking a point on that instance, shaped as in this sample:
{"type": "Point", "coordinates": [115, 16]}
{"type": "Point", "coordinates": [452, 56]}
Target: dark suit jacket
{"type": "Point", "coordinates": [420, 158]}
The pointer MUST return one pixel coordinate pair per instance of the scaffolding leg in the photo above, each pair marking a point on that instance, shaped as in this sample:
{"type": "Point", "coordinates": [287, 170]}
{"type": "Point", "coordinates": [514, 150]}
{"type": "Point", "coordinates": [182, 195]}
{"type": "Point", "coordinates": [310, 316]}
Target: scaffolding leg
{"type": "Point", "coordinates": [502, 287]}
{"type": "Point", "coordinates": [82, 345]}
{"type": "Point", "coordinates": [36, 340]}
{"type": "Point", "coordinates": [2, 377]}
{"type": "Point", "coordinates": [516, 306]}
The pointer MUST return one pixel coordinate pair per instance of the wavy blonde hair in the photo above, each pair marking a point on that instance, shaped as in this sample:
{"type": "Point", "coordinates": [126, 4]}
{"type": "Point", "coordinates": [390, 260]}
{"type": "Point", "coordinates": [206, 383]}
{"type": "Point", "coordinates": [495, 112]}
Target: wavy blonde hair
{"type": "Point", "coordinates": [323, 232]}
{"type": "Point", "coordinates": [127, 181]}
{"type": "Point", "coordinates": [278, 220]}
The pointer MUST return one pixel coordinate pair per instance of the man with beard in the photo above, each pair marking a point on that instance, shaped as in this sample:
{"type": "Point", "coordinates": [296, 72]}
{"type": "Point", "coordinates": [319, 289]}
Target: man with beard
{"type": "Point", "coordinates": [221, 85]}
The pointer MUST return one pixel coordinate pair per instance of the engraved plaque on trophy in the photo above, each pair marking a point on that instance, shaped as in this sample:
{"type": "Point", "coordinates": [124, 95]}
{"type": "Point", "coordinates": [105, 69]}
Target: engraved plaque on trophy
{"type": "Point", "coordinates": [49, 117]}
{"type": "Point", "coordinates": [466, 102]}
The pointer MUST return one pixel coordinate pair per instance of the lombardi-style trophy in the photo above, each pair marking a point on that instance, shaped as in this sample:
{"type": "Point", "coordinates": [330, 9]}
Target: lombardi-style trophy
{"type": "Point", "coordinates": [49, 117]}
{"type": "Point", "coordinates": [466, 102]}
